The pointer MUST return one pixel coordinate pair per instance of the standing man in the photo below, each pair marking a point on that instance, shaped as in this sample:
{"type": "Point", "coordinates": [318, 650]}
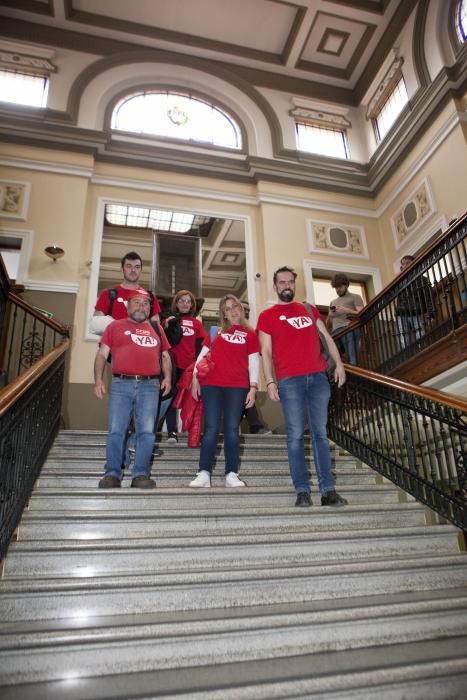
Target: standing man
{"type": "Point", "coordinates": [112, 303]}
{"type": "Point", "coordinates": [139, 357]}
{"type": "Point", "coordinates": [295, 373]}
{"type": "Point", "coordinates": [342, 311]}
{"type": "Point", "coordinates": [413, 305]}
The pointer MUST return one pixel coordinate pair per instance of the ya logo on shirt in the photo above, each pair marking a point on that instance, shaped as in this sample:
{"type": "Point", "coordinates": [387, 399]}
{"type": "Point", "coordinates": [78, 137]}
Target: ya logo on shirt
{"type": "Point", "coordinates": [187, 330]}
{"type": "Point", "coordinates": [236, 338]}
{"type": "Point", "coordinates": [298, 322]}
{"type": "Point", "coordinates": [143, 338]}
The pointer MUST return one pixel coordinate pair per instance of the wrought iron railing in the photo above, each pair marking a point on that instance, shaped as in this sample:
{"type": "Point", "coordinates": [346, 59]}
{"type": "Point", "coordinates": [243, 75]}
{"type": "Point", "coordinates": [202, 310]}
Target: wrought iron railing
{"type": "Point", "coordinates": [422, 306]}
{"type": "Point", "coordinates": [30, 409]}
{"type": "Point", "coordinates": [32, 352]}
{"type": "Point", "coordinates": [415, 437]}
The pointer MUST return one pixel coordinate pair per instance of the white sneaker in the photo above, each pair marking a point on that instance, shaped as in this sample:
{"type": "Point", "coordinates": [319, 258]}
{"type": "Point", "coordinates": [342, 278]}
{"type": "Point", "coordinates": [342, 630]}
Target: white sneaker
{"type": "Point", "coordinates": [202, 480]}
{"type": "Point", "coordinates": [231, 479]}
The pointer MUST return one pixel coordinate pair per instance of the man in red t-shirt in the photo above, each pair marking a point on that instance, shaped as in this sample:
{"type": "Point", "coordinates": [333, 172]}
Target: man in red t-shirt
{"type": "Point", "coordinates": [105, 311]}
{"type": "Point", "coordinates": [139, 358]}
{"type": "Point", "coordinates": [291, 351]}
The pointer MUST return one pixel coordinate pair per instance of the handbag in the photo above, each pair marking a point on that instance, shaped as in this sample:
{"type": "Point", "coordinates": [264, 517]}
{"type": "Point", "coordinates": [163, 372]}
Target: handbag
{"type": "Point", "coordinates": [324, 346]}
{"type": "Point", "coordinates": [205, 366]}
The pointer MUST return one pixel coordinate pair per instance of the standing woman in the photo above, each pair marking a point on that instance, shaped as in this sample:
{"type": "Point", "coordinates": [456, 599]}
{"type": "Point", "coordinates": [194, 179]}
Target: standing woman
{"type": "Point", "coordinates": [185, 351]}
{"type": "Point", "coordinates": [229, 388]}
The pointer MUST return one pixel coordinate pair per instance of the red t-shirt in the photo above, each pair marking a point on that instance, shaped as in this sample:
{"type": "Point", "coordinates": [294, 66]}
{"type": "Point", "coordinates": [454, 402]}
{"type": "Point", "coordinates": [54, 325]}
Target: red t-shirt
{"type": "Point", "coordinates": [296, 348]}
{"type": "Point", "coordinates": [119, 308]}
{"type": "Point", "coordinates": [229, 352]}
{"type": "Point", "coordinates": [185, 352]}
{"type": "Point", "coordinates": [135, 347]}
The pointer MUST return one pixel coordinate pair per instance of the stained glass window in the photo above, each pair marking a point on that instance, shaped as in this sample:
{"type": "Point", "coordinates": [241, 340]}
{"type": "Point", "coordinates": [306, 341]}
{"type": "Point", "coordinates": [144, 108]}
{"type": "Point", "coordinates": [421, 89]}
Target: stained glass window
{"type": "Point", "coordinates": [179, 116]}
{"type": "Point", "coordinates": [461, 20]}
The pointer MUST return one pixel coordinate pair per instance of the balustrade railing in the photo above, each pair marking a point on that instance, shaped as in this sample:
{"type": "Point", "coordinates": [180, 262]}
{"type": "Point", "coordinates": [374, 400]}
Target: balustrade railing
{"type": "Point", "coordinates": [32, 353]}
{"type": "Point", "coordinates": [425, 304]}
{"type": "Point", "coordinates": [415, 437]}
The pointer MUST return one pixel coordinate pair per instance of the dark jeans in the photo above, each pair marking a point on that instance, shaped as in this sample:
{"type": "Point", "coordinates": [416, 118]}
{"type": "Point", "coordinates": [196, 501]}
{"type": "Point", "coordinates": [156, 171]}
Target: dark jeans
{"type": "Point", "coordinates": [307, 394]}
{"type": "Point", "coordinates": [171, 415]}
{"type": "Point", "coordinates": [253, 420]}
{"type": "Point", "coordinates": [218, 402]}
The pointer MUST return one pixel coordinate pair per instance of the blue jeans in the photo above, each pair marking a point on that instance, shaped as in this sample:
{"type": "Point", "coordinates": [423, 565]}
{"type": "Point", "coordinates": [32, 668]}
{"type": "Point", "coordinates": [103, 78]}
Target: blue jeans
{"type": "Point", "coordinates": [140, 399]}
{"type": "Point", "coordinates": [351, 342]}
{"type": "Point", "coordinates": [221, 401]}
{"type": "Point", "coordinates": [307, 393]}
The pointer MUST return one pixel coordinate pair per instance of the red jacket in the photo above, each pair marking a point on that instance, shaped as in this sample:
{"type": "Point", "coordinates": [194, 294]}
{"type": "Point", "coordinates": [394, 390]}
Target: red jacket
{"type": "Point", "coordinates": [191, 411]}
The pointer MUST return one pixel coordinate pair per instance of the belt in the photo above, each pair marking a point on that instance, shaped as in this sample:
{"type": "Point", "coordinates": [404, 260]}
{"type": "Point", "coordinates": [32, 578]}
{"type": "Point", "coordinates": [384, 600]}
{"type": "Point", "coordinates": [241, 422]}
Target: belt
{"type": "Point", "coordinates": [139, 377]}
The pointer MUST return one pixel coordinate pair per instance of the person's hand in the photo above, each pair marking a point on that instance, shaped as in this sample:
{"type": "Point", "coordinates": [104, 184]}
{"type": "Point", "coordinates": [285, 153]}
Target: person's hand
{"type": "Point", "coordinates": [339, 375]}
{"type": "Point", "coordinates": [250, 397]}
{"type": "Point", "coordinates": [195, 389]}
{"type": "Point", "coordinates": [99, 389]}
{"type": "Point", "coordinates": [166, 386]}
{"type": "Point", "coordinates": [273, 391]}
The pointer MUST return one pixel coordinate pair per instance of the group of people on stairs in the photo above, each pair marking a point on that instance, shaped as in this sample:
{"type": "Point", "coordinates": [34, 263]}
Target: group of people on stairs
{"type": "Point", "coordinates": [221, 370]}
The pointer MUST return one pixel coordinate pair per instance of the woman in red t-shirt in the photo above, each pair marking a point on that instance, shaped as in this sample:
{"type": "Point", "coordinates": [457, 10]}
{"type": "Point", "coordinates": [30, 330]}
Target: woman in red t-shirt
{"type": "Point", "coordinates": [229, 388]}
{"type": "Point", "coordinates": [185, 351]}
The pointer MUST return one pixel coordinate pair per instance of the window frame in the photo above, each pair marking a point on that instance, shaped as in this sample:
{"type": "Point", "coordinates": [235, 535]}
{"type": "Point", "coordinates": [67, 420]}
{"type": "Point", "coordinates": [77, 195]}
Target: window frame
{"type": "Point", "coordinates": [324, 127]}
{"type": "Point", "coordinates": [389, 94]}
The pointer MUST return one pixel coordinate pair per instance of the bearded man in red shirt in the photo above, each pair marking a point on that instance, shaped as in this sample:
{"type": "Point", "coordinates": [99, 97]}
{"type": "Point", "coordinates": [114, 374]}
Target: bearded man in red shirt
{"type": "Point", "coordinates": [295, 372]}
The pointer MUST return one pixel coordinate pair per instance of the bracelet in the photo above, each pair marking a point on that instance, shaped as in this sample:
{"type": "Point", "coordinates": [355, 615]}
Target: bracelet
{"type": "Point", "coordinates": [253, 386]}
{"type": "Point", "coordinates": [271, 382]}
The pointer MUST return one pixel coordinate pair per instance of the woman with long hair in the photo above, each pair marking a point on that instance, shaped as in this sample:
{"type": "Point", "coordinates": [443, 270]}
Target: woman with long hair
{"type": "Point", "coordinates": [184, 353]}
{"type": "Point", "coordinates": [229, 387]}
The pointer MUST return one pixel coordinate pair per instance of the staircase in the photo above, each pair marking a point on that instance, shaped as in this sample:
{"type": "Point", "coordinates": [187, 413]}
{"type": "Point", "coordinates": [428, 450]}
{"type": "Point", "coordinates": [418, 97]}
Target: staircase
{"type": "Point", "coordinates": [223, 594]}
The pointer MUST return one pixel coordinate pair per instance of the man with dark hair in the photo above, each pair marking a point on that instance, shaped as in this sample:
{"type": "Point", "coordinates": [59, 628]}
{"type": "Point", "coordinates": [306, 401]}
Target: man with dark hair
{"type": "Point", "coordinates": [413, 305]}
{"type": "Point", "coordinates": [342, 311]}
{"type": "Point", "coordinates": [112, 302]}
{"type": "Point", "coordinates": [295, 373]}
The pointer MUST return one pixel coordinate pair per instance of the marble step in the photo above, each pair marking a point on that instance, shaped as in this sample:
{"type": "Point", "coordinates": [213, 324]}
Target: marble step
{"type": "Point", "coordinates": [183, 500]}
{"type": "Point", "coordinates": [434, 669]}
{"type": "Point", "coordinates": [247, 637]}
{"type": "Point", "coordinates": [53, 598]}
{"type": "Point", "coordinates": [169, 478]}
{"type": "Point", "coordinates": [140, 514]}
{"type": "Point", "coordinates": [135, 556]}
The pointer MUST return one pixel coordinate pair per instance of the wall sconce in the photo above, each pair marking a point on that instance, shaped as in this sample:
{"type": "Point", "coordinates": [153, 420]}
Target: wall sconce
{"type": "Point", "coordinates": [54, 252]}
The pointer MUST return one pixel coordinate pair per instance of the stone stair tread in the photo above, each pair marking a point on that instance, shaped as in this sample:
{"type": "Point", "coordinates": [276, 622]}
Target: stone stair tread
{"type": "Point", "coordinates": [142, 543]}
{"type": "Point", "coordinates": [223, 577]}
{"type": "Point", "coordinates": [326, 674]}
{"type": "Point", "coordinates": [392, 603]}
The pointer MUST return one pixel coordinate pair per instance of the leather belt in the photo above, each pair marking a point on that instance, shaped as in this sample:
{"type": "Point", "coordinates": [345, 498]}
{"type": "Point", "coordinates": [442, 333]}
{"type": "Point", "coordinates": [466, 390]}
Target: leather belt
{"type": "Point", "coordinates": [139, 377]}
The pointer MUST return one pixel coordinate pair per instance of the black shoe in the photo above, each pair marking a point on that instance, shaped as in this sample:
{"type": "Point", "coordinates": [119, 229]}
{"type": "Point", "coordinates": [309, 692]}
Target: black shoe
{"type": "Point", "coordinates": [109, 482]}
{"type": "Point", "coordinates": [172, 439]}
{"type": "Point", "coordinates": [143, 482]}
{"type": "Point", "coordinates": [157, 452]}
{"type": "Point", "coordinates": [303, 499]}
{"type": "Point", "coordinates": [332, 498]}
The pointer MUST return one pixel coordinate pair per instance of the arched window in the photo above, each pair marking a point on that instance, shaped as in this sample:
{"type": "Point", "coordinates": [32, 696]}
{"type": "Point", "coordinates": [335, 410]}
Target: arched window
{"type": "Point", "coordinates": [179, 116]}
{"type": "Point", "coordinates": [461, 20]}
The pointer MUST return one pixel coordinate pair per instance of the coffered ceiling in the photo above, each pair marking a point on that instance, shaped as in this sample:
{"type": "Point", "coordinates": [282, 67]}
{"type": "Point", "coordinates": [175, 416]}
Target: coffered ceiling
{"type": "Point", "coordinates": [328, 48]}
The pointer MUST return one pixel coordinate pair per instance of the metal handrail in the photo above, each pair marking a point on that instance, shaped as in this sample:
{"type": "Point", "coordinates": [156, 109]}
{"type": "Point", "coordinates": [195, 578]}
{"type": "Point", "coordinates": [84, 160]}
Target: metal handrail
{"type": "Point", "coordinates": [414, 436]}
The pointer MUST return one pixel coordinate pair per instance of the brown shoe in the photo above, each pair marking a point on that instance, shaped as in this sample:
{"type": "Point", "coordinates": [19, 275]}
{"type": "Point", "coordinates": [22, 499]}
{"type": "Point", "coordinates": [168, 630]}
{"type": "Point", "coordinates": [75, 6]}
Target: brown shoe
{"type": "Point", "coordinates": [143, 482]}
{"type": "Point", "coordinates": [109, 482]}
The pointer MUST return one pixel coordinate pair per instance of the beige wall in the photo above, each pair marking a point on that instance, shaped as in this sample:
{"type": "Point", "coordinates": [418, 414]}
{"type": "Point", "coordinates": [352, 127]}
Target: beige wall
{"type": "Point", "coordinates": [63, 209]}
